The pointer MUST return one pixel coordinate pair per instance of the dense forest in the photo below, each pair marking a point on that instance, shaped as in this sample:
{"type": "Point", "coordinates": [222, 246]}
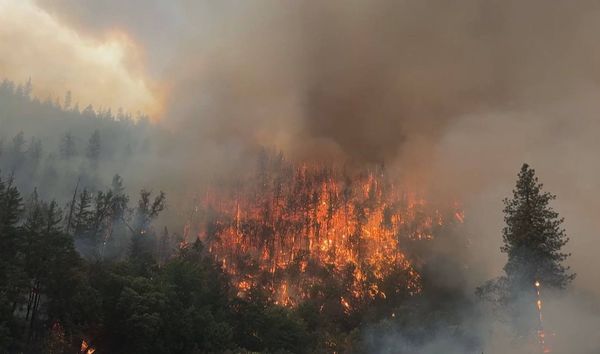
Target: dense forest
{"type": "Point", "coordinates": [86, 265]}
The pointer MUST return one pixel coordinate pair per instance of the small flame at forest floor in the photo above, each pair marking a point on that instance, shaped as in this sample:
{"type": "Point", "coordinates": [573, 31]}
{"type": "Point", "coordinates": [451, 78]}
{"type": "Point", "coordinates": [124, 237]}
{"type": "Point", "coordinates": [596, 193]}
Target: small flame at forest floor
{"type": "Point", "coordinates": [86, 348]}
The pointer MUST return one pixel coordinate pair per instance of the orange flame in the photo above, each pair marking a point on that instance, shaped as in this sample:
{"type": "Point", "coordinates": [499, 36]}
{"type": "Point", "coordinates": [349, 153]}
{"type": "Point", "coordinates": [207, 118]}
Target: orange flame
{"type": "Point", "coordinates": [275, 229]}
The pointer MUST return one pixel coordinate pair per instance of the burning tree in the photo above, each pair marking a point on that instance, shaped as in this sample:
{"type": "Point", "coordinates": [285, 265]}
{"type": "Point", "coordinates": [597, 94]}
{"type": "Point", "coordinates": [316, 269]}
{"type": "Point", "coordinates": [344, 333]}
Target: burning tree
{"type": "Point", "coordinates": [307, 231]}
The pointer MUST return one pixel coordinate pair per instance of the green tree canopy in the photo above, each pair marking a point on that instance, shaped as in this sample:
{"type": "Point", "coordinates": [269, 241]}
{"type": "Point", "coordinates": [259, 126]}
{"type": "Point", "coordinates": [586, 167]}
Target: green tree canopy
{"type": "Point", "coordinates": [533, 236]}
{"type": "Point", "coordinates": [533, 239]}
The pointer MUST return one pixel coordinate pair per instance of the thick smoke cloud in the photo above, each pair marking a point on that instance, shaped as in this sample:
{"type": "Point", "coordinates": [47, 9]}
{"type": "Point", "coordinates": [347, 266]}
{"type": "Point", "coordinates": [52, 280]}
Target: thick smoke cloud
{"type": "Point", "coordinates": [104, 71]}
{"type": "Point", "coordinates": [453, 95]}
{"type": "Point", "coordinates": [364, 78]}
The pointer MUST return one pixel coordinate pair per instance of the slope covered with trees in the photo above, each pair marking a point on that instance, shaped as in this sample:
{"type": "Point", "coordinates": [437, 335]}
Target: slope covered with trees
{"type": "Point", "coordinates": [86, 265]}
{"type": "Point", "coordinates": [85, 262]}
{"type": "Point", "coordinates": [53, 299]}
{"type": "Point", "coordinates": [49, 145]}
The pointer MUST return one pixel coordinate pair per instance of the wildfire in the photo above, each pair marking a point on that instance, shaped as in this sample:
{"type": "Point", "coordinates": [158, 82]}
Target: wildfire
{"type": "Point", "coordinates": [288, 226]}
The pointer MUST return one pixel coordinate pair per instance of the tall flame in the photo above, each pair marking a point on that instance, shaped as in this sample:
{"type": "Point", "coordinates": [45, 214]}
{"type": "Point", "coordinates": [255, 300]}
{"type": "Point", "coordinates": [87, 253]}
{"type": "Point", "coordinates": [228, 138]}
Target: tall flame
{"type": "Point", "coordinates": [288, 224]}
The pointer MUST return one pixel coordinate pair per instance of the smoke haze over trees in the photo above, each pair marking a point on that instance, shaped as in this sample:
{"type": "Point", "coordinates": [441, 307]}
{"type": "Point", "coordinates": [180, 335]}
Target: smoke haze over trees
{"type": "Point", "coordinates": [445, 100]}
{"type": "Point", "coordinates": [106, 250]}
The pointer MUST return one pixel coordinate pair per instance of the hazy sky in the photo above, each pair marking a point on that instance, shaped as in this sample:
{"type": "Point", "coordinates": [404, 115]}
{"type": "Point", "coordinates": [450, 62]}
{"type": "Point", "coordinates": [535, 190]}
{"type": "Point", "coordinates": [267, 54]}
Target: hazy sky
{"type": "Point", "coordinates": [106, 69]}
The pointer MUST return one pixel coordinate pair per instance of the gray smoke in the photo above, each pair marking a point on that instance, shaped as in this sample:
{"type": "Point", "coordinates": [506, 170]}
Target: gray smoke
{"type": "Point", "coordinates": [451, 96]}
{"type": "Point", "coordinates": [364, 79]}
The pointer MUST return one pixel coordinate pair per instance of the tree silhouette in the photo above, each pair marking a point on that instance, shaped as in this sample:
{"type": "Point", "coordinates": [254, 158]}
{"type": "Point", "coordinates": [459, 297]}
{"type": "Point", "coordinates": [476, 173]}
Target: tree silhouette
{"type": "Point", "coordinates": [533, 239]}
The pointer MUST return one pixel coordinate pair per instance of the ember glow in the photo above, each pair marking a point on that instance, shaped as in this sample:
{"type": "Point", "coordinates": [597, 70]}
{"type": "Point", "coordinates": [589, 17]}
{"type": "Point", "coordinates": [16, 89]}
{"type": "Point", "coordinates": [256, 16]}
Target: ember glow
{"type": "Point", "coordinates": [541, 333]}
{"type": "Point", "coordinates": [86, 348]}
{"type": "Point", "coordinates": [290, 225]}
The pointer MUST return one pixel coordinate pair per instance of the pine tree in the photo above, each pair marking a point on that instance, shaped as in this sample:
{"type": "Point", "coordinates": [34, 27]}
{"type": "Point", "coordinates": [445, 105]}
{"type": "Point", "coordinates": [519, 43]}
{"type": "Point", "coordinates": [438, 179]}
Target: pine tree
{"type": "Point", "coordinates": [533, 236]}
{"type": "Point", "coordinates": [11, 283]}
{"type": "Point", "coordinates": [533, 240]}
{"type": "Point", "coordinates": [41, 228]}
{"type": "Point", "coordinates": [119, 200]}
{"type": "Point", "coordinates": [100, 214]}
{"type": "Point", "coordinates": [116, 235]}
{"type": "Point", "coordinates": [83, 214]}
{"type": "Point", "coordinates": [10, 208]}
{"type": "Point", "coordinates": [50, 262]}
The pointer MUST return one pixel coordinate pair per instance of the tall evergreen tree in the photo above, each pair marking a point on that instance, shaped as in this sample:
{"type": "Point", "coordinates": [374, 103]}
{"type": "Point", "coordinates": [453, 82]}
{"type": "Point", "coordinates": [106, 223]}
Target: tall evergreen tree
{"type": "Point", "coordinates": [41, 231]}
{"type": "Point", "coordinates": [82, 214]}
{"type": "Point", "coordinates": [100, 215]}
{"type": "Point", "coordinates": [533, 240]}
{"type": "Point", "coordinates": [120, 199]}
{"type": "Point", "coordinates": [533, 236]}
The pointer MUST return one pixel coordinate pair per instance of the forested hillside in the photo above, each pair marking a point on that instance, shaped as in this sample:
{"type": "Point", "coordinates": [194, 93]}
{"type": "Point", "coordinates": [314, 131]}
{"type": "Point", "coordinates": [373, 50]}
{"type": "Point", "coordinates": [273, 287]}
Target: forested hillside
{"type": "Point", "coordinates": [50, 145]}
{"type": "Point", "coordinates": [86, 266]}
{"type": "Point", "coordinates": [279, 257]}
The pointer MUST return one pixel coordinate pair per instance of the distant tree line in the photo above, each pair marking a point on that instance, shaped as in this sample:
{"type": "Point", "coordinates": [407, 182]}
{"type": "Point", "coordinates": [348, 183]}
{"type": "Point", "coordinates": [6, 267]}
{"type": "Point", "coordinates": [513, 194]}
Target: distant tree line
{"type": "Point", "coordinates": [50, 144]}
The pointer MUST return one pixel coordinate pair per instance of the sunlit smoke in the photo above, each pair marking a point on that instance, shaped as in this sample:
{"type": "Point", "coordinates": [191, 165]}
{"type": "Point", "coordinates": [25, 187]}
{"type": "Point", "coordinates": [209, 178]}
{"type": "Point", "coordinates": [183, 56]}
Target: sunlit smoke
{"type": "Point", "coordinates": [106, 72]}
